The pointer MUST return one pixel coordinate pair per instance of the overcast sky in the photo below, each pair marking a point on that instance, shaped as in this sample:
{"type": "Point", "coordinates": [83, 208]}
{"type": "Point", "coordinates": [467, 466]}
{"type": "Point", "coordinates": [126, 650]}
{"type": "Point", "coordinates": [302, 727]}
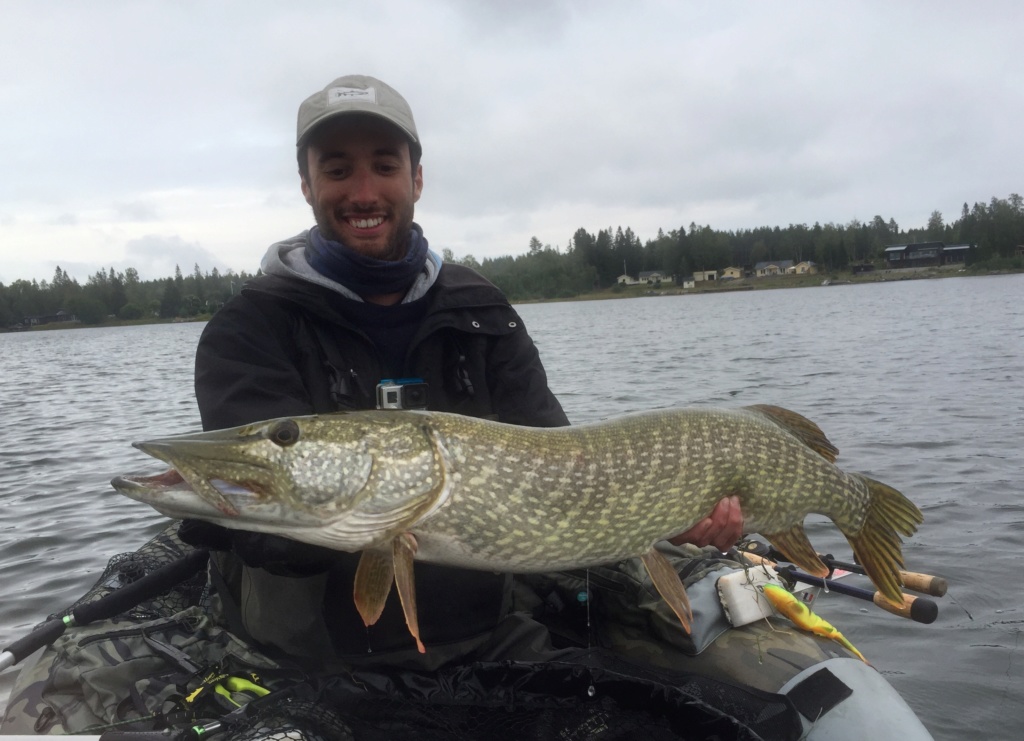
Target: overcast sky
{"type": "Point", "coordinates": [147, 134]}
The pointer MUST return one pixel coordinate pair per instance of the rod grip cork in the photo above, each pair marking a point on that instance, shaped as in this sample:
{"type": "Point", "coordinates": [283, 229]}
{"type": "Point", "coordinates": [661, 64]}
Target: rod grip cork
{"type": "Point", "coordinates": [924, 583]}
{"type": "Point", "coordinates": [916, 609]}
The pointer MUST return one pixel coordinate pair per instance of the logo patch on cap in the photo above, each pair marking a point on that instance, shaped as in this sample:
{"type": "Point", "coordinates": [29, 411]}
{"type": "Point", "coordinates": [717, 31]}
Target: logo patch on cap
{"type": "Point", "coordinates": [351, 95]}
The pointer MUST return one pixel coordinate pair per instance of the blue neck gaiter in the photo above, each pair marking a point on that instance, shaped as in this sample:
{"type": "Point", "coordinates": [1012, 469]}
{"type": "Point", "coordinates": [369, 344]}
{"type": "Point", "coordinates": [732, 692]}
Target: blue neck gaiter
{"type": "Point", "coordinates": [366, 276]}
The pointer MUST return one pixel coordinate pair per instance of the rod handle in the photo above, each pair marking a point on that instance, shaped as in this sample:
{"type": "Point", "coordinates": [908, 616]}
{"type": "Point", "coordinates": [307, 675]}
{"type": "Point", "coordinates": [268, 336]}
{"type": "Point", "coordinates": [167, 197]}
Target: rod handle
{"type": "Point", "coordinates": [44, 635]}
{"type": "Point", "coordinates": [918, 609]}
{"type": "Point", "coordinates": [935, 586]}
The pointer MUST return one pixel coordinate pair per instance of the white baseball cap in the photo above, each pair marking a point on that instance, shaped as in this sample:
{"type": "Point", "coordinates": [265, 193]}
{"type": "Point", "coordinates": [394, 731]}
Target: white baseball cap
{"type": "Point", "coordinates": [356, 94]}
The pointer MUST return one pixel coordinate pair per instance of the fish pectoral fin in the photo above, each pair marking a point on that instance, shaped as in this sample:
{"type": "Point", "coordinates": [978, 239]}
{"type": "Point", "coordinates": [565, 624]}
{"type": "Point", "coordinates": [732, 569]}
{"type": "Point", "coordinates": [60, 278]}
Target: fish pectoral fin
{"type": "Point", "coordinates": [404, 553]}
{"type": "Point", "coordinates": [372, 584]}
{"type": "Point", "coordinates": [798, 549]}
{"type": "Point", "coordinates": [669, 585]}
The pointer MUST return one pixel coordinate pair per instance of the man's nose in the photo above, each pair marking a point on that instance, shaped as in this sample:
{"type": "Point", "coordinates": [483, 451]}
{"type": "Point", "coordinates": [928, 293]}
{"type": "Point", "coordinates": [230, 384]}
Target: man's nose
{"type": "Point", "coordinates": [364, 187]}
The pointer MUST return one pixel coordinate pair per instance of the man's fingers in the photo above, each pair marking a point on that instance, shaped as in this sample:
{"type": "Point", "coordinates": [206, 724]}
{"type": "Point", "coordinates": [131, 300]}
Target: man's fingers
{"type": "Point", "coordinates": [722, 528]}
{"type": "Point", "coordinates": [728, 523]}
{"type": "Point", "coordinates": [697, 535]}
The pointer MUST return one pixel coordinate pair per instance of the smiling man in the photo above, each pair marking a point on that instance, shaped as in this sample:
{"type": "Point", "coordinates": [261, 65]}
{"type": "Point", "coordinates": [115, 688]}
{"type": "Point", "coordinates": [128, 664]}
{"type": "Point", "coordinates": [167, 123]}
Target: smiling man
{"type": "Point", "coordinates": [356, 300]}
{"type": "Point", "coordinates": [356, 177]}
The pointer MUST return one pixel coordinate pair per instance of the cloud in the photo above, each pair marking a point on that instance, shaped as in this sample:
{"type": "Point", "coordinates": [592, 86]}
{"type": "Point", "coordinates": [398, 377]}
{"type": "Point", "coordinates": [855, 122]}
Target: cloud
{"type": "Point", "coordinates": [155, 256]}
{"type": "Point", "coordinates": [537, 117]}
{"type": "Point", "coordinates": [136, 211]}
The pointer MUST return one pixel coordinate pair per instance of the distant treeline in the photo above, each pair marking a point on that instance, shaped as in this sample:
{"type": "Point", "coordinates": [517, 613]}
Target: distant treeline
{"type": "Point", "coordinates": [112, 294]}
{"type": "Point", "coordinates": [995, 230]}
{"type": "Point", "coordinates": [588, 262]}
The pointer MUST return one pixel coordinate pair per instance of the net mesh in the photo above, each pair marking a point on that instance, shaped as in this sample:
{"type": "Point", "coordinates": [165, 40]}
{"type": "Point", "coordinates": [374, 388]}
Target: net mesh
{"type": "Point", "coordinates": [126, 568]}
{"type": "Point", "coordinates": [607, 698]}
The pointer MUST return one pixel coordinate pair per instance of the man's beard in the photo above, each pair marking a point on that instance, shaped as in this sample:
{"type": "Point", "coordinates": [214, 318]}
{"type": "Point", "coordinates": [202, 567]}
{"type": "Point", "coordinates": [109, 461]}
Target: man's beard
{"type": "Point", "coordinates": [397, 246]}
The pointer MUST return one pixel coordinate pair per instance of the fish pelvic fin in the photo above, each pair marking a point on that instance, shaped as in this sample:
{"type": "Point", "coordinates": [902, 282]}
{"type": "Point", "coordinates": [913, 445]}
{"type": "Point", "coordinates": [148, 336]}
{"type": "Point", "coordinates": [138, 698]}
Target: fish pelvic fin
{"type": "Point", "coordinates": [798, 549]}
{"type": "Point", "coordinates": [372, 584]}
{"type": "Point", "coordinates": [404, 550]}
{"type": "Point", "coordinates": [804, 429]}
{"type": "Point", "coordinates": [669, 585]}
{"type": "Point", "coordinates": [877, 545]}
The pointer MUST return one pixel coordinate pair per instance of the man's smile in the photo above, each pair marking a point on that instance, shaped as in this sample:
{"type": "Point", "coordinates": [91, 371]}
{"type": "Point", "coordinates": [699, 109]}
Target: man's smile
{"type": "Point", "coordinates": [365, 223]}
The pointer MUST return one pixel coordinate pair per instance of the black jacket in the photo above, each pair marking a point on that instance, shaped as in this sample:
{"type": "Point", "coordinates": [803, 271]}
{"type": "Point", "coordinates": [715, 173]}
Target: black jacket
{"type": "Point", "coordinates": [287, 347]}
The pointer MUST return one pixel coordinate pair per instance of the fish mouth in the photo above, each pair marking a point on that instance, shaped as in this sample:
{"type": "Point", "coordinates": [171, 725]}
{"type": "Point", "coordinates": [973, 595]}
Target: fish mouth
{"type": "Point", "coordinates": [171, 494]}
{"type": "Point", "coordinates": [171, 487]}
{"type": "Point", "coordinates": [187, 455]}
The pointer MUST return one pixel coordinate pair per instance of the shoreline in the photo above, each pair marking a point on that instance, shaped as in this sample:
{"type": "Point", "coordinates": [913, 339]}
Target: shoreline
{"type": "Point", "coordinates": [768, 283]}
{"type": "Point", "coordinates": [778, 282]}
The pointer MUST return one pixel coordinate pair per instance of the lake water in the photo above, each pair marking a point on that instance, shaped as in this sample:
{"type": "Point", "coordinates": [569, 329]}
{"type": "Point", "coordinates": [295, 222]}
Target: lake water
{"type": "Point", "coordinates": [919, 384]}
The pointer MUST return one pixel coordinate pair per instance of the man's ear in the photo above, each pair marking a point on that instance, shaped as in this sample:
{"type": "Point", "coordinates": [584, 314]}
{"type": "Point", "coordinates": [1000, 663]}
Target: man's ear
{"type": "Point", "coordinates": [417, 184]}
{"type": "Point", "coordinates": [307, 193]}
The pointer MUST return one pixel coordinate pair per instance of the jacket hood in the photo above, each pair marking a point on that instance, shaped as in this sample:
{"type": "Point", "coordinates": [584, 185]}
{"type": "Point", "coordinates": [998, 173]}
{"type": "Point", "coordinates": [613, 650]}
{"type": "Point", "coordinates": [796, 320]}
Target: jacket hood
{"type": "Point", "coordinates": [287, 259]}
{"type": "Point", "coordinates": [451, 287]}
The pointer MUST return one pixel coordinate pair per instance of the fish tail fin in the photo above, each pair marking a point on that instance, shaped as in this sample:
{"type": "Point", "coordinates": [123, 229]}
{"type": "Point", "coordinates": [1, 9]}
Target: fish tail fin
{"type": "Point", "coordinates": [804, 429]}
{"type": "Point", "coordinates": [877, 545]}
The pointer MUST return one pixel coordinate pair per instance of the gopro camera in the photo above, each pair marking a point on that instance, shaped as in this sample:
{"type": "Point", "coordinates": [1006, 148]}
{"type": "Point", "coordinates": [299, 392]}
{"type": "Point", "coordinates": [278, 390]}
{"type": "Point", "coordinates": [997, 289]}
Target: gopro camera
{"type": "Point", "coordinates": [402, 393]}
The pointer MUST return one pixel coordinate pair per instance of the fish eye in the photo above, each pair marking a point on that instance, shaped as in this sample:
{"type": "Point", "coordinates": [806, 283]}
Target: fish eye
{"type": "Point", "coordinates": [284, 433]}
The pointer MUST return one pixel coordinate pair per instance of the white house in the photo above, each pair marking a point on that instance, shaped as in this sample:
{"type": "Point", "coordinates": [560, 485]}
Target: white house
{"type": "Point", "coordinates": [653, 276]}
{"type": "Point", "coordinates": [778, 267]}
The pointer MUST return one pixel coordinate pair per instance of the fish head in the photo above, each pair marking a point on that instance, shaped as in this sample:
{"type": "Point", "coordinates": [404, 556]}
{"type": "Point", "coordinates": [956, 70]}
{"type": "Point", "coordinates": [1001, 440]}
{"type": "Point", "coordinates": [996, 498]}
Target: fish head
{"type": "Point", "coordinates": [347, 481]}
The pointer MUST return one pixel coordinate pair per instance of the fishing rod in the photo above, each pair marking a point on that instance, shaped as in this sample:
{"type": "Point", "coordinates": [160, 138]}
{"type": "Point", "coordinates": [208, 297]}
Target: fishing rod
{"type": "Point", "coordinates": [147, 587]}
{"type": "Point", "coordinates": [934, 586]}
{"type": "Point", "coordinates": [918, 609]}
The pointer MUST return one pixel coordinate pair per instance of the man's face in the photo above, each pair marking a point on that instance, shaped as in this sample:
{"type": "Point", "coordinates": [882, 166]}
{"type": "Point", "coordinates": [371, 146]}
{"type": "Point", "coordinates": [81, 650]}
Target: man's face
{"type": "Point", "coordinates": [361, 186]}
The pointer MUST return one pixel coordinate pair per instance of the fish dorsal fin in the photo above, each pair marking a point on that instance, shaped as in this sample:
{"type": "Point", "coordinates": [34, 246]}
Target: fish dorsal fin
{"type": "Point", "coordinates": [374, 576]}
{"type": "Point", "coordinates": [804, 429]}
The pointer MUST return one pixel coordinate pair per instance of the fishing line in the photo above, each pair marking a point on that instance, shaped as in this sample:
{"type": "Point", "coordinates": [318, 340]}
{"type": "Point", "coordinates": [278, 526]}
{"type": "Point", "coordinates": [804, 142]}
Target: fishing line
{"type": "Point", "coordinates": [966, 611]}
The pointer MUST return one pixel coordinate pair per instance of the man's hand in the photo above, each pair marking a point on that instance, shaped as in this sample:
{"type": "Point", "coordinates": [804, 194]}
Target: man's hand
{"type": "Point", "coordinates": [722, 528]}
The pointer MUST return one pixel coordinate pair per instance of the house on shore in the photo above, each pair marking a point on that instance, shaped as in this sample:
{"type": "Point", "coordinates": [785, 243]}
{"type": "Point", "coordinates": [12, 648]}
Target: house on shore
{"type": "Point", "coordinates": [653, 277]}
{"type": "Point", "coordinates": [646, 278]}
{"type": "Point", "coordinates": [804, 268]}
{"type": "Point", "coordinates": [925, 254]}
{"type": "Point", "coordinates": [60, 317]}
{"type": "Point", "coordinates": [735, 273]}
{"type": "Point", "coordinates": [699, 276]}
{"type": "Point", "coordinates": [769, 268]}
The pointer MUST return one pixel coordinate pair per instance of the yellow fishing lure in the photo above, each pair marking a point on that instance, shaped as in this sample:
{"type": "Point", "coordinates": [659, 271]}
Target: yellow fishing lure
{"type": "Point", "coordinates": [801, 615]}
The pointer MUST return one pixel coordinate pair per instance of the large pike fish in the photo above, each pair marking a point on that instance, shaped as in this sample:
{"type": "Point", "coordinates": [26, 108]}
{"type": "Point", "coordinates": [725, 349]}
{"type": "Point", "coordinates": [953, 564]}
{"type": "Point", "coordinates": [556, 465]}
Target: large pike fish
{"type": "Point", "coordinates": [465, 492]}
